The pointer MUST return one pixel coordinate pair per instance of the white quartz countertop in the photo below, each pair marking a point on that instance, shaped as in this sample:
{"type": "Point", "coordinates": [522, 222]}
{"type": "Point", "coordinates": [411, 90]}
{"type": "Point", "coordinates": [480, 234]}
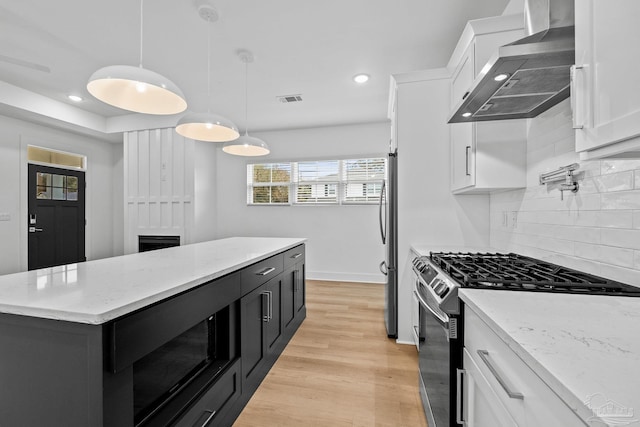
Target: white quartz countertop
{"type": "Point", "coordinates": [586, 348]}
{"type": "Point", "coordinates": [97, 291]}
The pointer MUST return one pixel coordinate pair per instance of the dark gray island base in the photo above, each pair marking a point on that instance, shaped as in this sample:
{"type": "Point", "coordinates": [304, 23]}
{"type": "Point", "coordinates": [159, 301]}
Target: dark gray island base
{"type": "Point", "coordinates": [192, 359]}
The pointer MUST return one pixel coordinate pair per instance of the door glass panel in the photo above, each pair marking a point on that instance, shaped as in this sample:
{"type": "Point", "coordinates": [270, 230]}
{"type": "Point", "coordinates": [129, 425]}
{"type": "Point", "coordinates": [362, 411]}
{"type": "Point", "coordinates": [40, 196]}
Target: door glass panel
{"type": "Point", "coordinates": [44, 179]}
{"type": "Point", "coordinates": [58, 190]}
{"type": "Point", "coordinates": [58, 193]}
{"type": "Point", "coordinates": [44, 185]}
{"type": "Point", "coordinates": [44, 192]}
{"type": "Point", "coordinates": [72, 188]}
{"type": "Point", "coordinates": [58, 180]}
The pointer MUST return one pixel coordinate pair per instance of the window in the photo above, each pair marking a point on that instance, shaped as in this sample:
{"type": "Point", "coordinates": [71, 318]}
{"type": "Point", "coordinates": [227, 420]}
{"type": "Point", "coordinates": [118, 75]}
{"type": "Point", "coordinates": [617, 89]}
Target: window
{"type": "Point", "coordinates": [316, 182]}
{"type": "Point", "coordinates": [268, 183]}
{"type": "Point", "coordinates": [363, 179]}
{"type": "Point", "coordinates": [354, 181]}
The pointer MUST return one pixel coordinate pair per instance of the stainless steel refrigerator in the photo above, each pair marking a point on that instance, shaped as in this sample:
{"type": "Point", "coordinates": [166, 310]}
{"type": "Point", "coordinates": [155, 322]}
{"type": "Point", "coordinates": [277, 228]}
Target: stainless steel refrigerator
{"type": "Point", "coordinates": [389, 232]}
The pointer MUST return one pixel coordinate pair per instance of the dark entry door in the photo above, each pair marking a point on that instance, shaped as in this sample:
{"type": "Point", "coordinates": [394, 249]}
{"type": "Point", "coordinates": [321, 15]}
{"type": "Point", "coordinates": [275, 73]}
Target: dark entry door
{"type": "Point", "coordinates": [56, 216]}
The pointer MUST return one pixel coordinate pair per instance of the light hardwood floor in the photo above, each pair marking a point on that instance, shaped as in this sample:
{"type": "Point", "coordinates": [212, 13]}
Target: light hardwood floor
{"type": "Point", "coordinates": [340, 369]}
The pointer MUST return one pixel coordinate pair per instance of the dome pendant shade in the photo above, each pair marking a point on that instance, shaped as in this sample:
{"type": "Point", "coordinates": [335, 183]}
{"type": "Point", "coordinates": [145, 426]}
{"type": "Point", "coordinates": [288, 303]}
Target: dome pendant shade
{"type": "Point", "coordinates": [136, 89]}
{"type": "Point", "coordinates": [207, 127]}
{"type": "Point", "coordinates": [246, 146]}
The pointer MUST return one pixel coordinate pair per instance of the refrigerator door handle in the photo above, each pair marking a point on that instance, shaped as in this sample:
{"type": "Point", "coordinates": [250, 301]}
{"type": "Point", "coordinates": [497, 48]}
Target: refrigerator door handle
{"type": "Point", "coordinates": [383, 232]}
{"type": "Point", "coordinates": [383, 268]}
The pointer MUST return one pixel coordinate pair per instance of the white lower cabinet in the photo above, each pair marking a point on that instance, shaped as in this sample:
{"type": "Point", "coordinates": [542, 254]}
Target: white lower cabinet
{"type": "Point", "coordinates": [500, 389]}
{"type": "Point", "coordinates": [481, 406]}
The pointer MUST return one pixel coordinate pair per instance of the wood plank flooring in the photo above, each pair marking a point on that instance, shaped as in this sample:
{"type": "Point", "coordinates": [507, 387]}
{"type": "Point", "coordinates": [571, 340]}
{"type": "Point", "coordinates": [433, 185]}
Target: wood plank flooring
{"type": "Point", "coordinates": [340, 369]}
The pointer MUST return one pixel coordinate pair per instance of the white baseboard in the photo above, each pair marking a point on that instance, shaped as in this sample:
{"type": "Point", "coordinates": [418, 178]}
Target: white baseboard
{"type": "Point", "coordinates": [346, 277]}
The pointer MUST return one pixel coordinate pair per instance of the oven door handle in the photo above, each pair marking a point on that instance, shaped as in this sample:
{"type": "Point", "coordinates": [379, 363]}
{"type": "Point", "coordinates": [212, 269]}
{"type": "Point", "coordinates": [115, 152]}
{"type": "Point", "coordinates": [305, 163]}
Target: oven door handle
{"type": "Point", "coordinates": [459, 375]}
{"type": "Point", "coordinates": [444, 322]}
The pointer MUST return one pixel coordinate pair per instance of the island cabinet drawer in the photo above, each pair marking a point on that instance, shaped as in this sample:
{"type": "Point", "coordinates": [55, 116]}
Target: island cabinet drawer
{"type": "Point", "coordinates": [293, 256]}
{"type": "Point", "coordinates": [260, 272]}
{"type": "Point", "coordinates": [529, 400]}
{"type": "Point", "coordinates": [209, 410]}
{"type": "Point", "coordinates": [136, 335]}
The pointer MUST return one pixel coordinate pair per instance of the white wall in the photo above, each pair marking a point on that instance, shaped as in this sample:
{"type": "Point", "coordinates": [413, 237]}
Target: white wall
{"type": "Point", "coordinates": [103, 189]}
{"type": "Point", "coordinates": [596, 230]}
{"type": "Point", "coordinates": [205, 193]}
{"type": "Point", "coordinates": [344, 241]}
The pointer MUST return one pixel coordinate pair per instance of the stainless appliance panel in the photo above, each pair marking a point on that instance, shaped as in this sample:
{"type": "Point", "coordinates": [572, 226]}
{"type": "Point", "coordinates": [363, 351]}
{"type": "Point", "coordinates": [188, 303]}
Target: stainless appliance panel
{"type": "Point", "coordinates": [438, 357]}
{"type": "Point", "coordinates": [389, 233]}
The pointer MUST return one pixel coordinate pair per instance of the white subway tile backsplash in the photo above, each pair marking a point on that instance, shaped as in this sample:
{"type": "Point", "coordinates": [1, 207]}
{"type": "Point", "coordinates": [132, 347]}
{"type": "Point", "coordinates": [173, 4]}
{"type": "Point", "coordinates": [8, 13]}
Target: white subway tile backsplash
{"type": "Point", "coordinates": [614, 166]}
{"type": "Point", "coordinates": [621, 200]}
{"type": "Point", "coordinates": [621, 238]}
{"type": "Point", "coordinates": [636, 219]}
{"type": "Point", "coordinates": [614, 182]}
{"type": "Point", "coordinates": [596, 230]}
{"type": "Point", "coordinates": [589, 169]}
{"type": "Point", "coordinates": [614, 219]}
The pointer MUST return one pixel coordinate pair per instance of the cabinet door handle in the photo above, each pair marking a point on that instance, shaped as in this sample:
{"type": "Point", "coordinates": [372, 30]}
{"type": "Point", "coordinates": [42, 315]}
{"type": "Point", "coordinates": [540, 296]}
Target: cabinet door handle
{"type": "Point", "coordinates": [270, 298]}
{"type": "Point", "coordinates": [207, 421]}
{"type": "Point", "coordinates": [459, 374]}
{"type": "Point", "coordinates": [265, 271]}
{"type": "Point", "coordinates": [578, 121]}
{"type": "Point", "coordinates": [295, 256]}
{"type": "Point", "coordinates": [467, 150]}
{"type": "Point", "coordinates": [265, 316]}
{"type": "Point", "coordinates": [484, 355]}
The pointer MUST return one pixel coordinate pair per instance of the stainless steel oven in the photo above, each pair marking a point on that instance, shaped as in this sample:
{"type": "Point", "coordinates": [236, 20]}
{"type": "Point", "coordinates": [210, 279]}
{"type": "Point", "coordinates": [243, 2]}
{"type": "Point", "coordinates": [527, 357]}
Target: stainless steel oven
{"type": "Point", "coordinates": [439, 354]}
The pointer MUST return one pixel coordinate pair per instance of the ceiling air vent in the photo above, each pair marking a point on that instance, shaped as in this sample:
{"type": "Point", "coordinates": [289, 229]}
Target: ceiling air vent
{"type": "Point", "coordinates": [290, 98]}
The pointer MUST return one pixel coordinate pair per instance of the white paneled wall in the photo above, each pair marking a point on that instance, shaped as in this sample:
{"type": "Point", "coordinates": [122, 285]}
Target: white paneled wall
{"type": "Point", "coordinates": [596, 230]}
{"type": "Point", "coordinates": [159, 185]}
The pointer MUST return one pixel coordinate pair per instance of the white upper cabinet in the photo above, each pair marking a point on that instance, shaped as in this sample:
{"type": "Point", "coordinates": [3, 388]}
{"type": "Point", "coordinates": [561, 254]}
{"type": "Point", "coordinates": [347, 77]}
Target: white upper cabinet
{"type": "Point", "coordinates": [605, 86]}
{"type": "Point", "coordinates": [490, 155]}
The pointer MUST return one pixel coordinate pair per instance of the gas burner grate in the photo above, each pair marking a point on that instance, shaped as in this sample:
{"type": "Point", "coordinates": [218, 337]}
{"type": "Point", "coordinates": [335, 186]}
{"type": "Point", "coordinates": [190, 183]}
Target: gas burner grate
{"type": "Point", "coordinates": [518, 272]}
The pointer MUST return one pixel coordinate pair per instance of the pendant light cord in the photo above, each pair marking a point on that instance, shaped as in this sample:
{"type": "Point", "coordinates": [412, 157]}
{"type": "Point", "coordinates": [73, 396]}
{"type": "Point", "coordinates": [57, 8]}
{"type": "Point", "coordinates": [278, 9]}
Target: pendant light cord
{"type": "Point", "coordinates": [141, 27]}
{"type": "Point", "coordinates": [246, 97]}
{"type": "Point", "coordinates": [209, 65]}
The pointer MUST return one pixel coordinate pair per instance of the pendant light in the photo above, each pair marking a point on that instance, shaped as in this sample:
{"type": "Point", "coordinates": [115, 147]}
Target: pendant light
{"type": "Point", "coordinates": [207, 126]}
{"type": "Point", "coordinates": [246, 145]}
{"type": "Point", "coordinates": [135, 88]}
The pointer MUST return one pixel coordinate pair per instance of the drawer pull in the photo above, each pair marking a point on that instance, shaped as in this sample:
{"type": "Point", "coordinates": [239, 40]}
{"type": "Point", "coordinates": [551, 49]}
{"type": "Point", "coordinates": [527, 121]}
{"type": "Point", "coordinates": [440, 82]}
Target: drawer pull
{"type": "Point", "coordinates": [207, 421]}
{"type": "Point", "coordinates": [294, 256]}
{"type": "Point", "coordinates": [484, 355]}
{"type": "Point", "coordinates": [265, 271]}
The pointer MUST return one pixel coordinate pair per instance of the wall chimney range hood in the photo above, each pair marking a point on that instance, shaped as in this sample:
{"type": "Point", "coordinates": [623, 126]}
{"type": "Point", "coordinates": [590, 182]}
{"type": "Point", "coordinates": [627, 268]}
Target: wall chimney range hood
{"type": "Point", "coordinates": [526, 77]}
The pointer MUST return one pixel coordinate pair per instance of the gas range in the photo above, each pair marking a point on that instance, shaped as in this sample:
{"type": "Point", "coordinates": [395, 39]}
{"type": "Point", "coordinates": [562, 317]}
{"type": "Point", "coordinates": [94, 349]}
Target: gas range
{"type": "Point", "coordinates": [438, 317]}
{"type": "Point", "coordinates": [442, 273]}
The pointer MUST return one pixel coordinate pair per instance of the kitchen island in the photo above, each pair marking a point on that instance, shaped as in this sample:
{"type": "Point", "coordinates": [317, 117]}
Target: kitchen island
{"type": "Point", "coordinates": [583, 348]}
{"type": "Point", "coordinates": [77, 342]}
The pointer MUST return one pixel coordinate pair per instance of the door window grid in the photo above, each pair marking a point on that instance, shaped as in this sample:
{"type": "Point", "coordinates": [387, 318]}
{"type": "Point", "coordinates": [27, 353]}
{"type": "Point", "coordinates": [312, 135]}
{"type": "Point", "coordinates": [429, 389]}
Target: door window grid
{"type": "Point", "coordinates": [52, 186]}
{"type": "Point", "coordinates": [352, 181]}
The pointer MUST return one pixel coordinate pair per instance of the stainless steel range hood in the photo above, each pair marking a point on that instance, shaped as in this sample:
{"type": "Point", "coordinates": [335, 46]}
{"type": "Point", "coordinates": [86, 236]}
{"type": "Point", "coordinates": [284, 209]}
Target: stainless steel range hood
{"type": "Point", "coordinates": [535, 70]}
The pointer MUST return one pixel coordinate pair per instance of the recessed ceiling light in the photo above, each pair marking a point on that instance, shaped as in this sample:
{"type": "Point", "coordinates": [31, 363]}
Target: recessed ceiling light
{"type": "Point", "coordinates": [361, 78]}
{"type": "Point", "coordinates": [75, 98]}
{"type": "Point", "coordinates": [466, 114]}
{"type": "Point", "coordinates": [501, 77]}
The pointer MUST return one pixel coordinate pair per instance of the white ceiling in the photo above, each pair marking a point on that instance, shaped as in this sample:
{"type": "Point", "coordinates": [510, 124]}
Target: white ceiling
{"type": "Point", "coordinates": [300, 47]}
